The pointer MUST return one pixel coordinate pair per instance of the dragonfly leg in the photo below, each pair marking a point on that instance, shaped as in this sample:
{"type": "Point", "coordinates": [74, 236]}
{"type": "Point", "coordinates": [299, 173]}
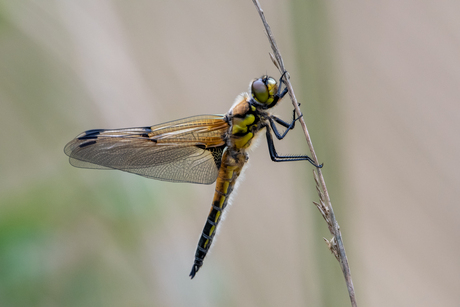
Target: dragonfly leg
{"type": "Point", "coordinates": [281, 79]}
{"type": "Point", "coordinates": [272, 119]}
{"type": "Point", "coordinates": [277, 158]}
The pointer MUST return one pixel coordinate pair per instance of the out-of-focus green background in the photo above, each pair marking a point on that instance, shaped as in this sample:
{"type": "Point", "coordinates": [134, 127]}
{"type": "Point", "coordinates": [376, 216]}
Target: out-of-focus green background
{"type": "Point", "coordinates": [379, 87]}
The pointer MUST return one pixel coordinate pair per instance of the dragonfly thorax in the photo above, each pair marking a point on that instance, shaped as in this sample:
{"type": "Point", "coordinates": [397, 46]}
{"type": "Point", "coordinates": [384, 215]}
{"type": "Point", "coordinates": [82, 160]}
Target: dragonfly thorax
{"type": "Point", "coordinates": [245, 120]}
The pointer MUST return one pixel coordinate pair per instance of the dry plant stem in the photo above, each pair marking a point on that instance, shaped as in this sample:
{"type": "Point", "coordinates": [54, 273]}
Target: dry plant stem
{"type": "Point", "coordinates": [336, 244]}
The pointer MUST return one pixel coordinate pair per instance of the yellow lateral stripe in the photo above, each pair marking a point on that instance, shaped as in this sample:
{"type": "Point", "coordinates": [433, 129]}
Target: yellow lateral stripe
{"type": "Point", "coordinates": [241, 142]}
{"type": "Point", "coordinates": [239, 129]}
{"type": "Point", "coordinates": [211, 231]}
{"type": "Point", "coordinates": [225, 187]}
{"type": "Point", "coordinates": [240, 125]}
{"type": "Point", "coordinates": [216, 220]}
{"type": "Point", "coordinates": [248, 120]}
{"type": "Point", "coordinates": [231, 168]}
{"type": "Point", "coordinates": [221, 201]}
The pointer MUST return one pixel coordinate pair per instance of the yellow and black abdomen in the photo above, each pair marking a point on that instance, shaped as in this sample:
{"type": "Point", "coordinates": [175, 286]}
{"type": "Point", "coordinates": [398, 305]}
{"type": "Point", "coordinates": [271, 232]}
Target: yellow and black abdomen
{"type": "Point", "coordinates": [244, 124]}
{"type": "Point", "coordinates": [229, 171]}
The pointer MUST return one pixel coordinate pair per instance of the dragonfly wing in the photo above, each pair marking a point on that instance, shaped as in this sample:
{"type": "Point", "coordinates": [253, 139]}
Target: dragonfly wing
{"type": "Point", "coordinates": [186, 150]}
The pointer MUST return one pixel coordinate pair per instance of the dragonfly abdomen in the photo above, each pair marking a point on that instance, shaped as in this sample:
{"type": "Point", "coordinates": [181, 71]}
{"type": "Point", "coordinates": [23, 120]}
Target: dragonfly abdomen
{"type": "Point", "coordinates": [228, 173]}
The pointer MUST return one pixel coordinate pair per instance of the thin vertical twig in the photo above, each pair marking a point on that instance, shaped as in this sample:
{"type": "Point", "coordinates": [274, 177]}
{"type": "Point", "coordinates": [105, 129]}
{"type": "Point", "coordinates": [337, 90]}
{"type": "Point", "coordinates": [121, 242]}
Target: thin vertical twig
{"type": "Point", "coordinates": [335, 245]}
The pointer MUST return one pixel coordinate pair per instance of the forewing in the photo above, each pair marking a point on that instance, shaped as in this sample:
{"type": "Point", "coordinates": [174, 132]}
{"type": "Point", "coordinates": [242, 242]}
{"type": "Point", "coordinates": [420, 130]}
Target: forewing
{"type": "Point", "coordinates": [185, 150]}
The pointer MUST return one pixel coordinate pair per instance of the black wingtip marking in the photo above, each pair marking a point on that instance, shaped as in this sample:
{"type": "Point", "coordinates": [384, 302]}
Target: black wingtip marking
{"type": "Point", "coordinates": [87, 137]}
{"type": "Point", "coordinates": [145, 135]}
{"type": "Point", "coordinates": [94, 131]}
{"type": "Point", "coordinates": [87, 144]}
{"type": "Point", "coordinates": [90, 134]}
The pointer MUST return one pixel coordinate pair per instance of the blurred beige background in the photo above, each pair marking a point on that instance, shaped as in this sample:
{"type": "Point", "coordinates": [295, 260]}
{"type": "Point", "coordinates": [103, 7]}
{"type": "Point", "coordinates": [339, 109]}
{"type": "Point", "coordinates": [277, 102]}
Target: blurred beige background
{"type": "Point", "coordinates": [379, 86]}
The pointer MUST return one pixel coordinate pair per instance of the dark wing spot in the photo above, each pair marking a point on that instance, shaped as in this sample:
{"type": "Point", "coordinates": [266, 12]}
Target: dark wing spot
{"type": "Point", "coordinates": [91, 134]}
{"type": "Point", "coordinates": [217, 154]}
{"type": "Point", "coordinates": [145, 135]}
{"type": "Point", "coordinates": [87, 144]}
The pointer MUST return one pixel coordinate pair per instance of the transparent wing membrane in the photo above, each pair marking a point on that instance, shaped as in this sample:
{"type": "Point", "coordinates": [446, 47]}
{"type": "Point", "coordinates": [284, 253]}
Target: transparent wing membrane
{"type": "Point", "coordinates": [185, 150]}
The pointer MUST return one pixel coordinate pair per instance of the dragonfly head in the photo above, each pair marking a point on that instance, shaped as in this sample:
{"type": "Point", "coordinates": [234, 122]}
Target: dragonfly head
{"type": "Point", "coordinates": [263, 91]}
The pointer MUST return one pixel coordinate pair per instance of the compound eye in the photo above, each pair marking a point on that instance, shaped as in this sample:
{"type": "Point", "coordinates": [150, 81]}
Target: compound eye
{"type": "Point", "coordinates": [260, 91]}
{"type": "Point", "coordinates": [271, 85]}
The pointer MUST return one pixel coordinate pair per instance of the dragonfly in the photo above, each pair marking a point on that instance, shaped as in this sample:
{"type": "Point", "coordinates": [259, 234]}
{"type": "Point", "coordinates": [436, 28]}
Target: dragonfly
{"type": "Point", "coordinates": [199, 149]}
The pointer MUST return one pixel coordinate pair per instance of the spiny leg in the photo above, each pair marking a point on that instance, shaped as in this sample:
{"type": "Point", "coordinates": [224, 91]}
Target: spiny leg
{"type": "Point", "coordinates": [272, 119]}
{"type": "Point", "coordinates": [277, 158]}
{"type": "Point", "coordinates": [279, 95]}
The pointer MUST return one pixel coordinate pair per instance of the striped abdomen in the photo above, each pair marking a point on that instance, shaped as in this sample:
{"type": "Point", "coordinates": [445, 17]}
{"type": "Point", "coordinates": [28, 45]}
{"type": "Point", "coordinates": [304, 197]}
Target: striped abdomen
{"type": "Point", "coordinates": [229, 171]}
